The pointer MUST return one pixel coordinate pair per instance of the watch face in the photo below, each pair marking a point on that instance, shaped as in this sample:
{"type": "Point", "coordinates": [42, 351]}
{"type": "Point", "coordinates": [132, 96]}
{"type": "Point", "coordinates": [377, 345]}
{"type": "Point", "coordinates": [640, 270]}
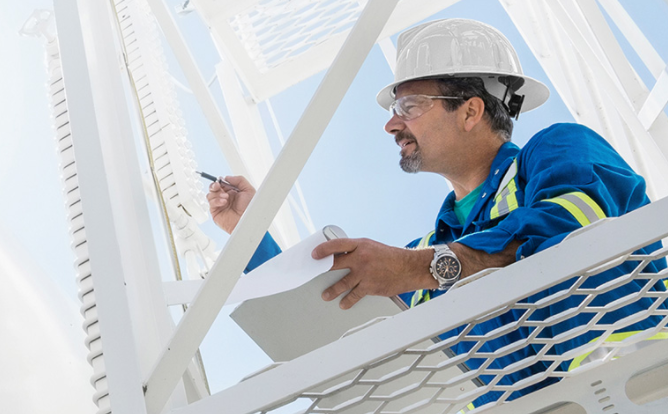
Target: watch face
{"type": "Point", "coordinates": [447, 267]}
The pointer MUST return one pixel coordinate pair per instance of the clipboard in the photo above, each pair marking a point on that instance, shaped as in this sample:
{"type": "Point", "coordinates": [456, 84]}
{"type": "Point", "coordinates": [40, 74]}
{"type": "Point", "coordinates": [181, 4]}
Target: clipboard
{"type": "Point", "coordinates": [292, 323]}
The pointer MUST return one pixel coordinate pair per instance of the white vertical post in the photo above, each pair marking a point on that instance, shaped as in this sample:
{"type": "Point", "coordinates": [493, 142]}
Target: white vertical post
{"type": "Point", "coordinates": [133, 316]}
{"type": "Point", "coordinates": [121, 361]}
{"type": "Point", "coordinates": [246, 237]}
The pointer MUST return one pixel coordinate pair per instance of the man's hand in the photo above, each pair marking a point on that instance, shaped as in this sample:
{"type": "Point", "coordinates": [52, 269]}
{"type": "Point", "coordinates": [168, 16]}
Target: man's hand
{"type": "Point", "coordinates": [227, 205]}
{"type": "Point", "coordinates": [380, 270]}
{"type": "Point", "coordinates": [375, 269]}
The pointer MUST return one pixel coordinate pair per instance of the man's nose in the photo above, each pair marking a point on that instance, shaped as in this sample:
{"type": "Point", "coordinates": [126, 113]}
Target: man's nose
{"type": "Point", "coordinates": [394, 125]}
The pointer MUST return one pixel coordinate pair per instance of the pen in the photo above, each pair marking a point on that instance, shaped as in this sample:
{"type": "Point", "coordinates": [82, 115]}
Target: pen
{"type": "Point", "coordinates": [220, 181]}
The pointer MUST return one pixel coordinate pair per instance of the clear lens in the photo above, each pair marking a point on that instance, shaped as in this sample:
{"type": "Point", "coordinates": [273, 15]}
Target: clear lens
{"type": "Point", "coordinates": [411, 106]}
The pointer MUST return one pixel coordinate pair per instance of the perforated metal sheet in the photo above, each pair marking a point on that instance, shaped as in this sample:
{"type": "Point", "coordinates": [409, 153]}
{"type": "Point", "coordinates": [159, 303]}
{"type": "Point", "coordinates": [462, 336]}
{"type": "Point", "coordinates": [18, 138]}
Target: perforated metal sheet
{"type": "Point", "coordinates": [274, 31]}
{"type": "Point", "coordinates": [380, 387]}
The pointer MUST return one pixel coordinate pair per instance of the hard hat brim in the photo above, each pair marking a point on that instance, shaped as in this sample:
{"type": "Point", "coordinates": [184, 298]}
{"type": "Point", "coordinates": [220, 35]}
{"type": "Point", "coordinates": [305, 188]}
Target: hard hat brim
{"type": "Point", "coordinates": [535, 92]}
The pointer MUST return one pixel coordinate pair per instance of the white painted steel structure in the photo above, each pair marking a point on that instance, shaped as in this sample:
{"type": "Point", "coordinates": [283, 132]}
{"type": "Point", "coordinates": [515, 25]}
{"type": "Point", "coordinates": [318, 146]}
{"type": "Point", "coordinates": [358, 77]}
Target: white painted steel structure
{"type": "Point", "coordinates": [116, 88]}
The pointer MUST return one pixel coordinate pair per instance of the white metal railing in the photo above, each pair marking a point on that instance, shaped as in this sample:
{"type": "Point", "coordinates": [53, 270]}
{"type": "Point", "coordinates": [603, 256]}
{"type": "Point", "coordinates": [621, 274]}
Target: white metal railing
{"type": "Point", "coordinates": [350, 375]}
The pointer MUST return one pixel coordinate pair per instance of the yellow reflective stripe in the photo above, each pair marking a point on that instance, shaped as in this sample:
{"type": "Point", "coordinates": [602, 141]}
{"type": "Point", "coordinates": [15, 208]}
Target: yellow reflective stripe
{"type": "Point", "coordinates": [424, 243]}
{"type": "Point", "coordinates": [616, 337]}
{"type": "Point", "coordinates": [468, 408]}
{"type": "Point", "coordinates": [512, 197]}
{"type": "Point", "coordinates": [494, 213]}
{"type": "Point", "coordinates": [505, 199]}
{"type": "Point", "coordinates": [591, 203]}
{"type": "Point", "coordinates": [422, 295]}
{"type": "Point", "coordinates": [575, 212]}
{"type": "Point", "coordinates": [582, 207]}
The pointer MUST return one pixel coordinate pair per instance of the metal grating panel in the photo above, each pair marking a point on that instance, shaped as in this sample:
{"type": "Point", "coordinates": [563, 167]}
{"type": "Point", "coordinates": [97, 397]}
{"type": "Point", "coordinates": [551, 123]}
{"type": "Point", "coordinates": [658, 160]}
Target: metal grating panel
{"type": "Point", "coordinates": [274, 31]}
{"type": "Point", "coordinates": [370, 389]}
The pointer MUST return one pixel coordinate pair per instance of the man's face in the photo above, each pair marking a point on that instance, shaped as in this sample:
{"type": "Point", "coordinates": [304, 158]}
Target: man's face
{"type": "Point", "coordinates": [425, 141]}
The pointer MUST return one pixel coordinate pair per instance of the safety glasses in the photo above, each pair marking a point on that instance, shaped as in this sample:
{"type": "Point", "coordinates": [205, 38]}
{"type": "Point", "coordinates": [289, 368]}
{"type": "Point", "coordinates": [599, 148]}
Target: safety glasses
{"type": "Point", "coordinates": [413, 106]}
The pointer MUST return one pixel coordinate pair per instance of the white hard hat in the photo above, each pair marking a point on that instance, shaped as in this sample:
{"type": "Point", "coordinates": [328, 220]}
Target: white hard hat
{"type": "Point", "coordinates": [464, 48]}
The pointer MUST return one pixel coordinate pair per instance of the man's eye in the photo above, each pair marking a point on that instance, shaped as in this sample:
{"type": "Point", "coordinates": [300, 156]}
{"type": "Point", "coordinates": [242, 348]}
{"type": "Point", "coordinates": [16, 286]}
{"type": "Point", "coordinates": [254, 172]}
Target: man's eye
{"type": "Point", "coordinates": [410, 108]}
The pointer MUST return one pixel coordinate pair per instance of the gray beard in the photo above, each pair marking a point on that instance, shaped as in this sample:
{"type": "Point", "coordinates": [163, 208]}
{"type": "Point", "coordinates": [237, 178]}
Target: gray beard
{"type": "Point", "coordinates": [412, 163]}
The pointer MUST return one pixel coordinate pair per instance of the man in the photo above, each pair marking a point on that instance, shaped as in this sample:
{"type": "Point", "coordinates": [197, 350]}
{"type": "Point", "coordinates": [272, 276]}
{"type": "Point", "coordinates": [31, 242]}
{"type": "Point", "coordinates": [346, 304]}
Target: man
{"type": "Point", "coordinates": [457, 85]}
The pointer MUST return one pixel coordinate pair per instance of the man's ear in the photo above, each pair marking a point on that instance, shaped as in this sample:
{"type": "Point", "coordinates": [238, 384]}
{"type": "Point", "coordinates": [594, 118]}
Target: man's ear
{"type": "Point", "coordinates": [473, 110]}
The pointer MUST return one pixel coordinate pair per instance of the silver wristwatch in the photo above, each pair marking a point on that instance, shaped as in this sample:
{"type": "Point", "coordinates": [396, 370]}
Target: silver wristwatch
{"type": "Point", "coordinates": [446, 267]}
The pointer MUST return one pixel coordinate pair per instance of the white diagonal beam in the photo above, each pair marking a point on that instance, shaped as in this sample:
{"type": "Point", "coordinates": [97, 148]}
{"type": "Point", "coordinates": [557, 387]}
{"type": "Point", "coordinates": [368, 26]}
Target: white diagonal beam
{"type": "Point", "coordinates": [246, 237]}
{"type": "Point", "coordinates": [635, 36]}
{"type": "Point", "coordinates": [633, 86]}
{"type": "Point", "coordinates": [656, 101]}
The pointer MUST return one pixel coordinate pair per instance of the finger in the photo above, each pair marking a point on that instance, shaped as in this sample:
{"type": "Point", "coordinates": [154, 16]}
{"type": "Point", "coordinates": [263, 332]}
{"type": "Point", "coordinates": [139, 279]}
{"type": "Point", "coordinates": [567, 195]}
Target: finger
{"type": "Point", "coordinates": [336, 246]}
{"type": "Point", "coordinates": [218, 202]}
{"type": "Point", "coordinates": [342, 261]}
{"type": "Point", "coordinates": [212, 195]}
{"type": "Point", "coordinates": [215, 187]}
{"type": "Point", "coordinates": [240, 182]}
{"type": "Point", "coordinates": [215, 197]}
{"type": "Point", "coordinates": [352, 298]}
{"type": "Point", "coordinates": [348, 282]}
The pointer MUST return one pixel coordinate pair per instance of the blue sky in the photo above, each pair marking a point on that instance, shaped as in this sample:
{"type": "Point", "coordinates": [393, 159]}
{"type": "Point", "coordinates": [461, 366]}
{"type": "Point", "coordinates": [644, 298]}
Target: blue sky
{"type": "Point", "coordinates": [351, 180]}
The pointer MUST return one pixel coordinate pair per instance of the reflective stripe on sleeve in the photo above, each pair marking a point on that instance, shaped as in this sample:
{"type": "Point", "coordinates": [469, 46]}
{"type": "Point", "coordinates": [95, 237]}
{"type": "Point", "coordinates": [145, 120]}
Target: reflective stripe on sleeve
{"type": "Point", "coordinates": [581, 206]}
{"type": "Point", "coordinates": [424, 243]}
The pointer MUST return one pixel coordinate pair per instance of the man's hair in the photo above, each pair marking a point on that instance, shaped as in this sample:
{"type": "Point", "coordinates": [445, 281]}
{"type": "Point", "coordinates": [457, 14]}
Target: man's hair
{"type": "Point", "coordinates": [467, 88]}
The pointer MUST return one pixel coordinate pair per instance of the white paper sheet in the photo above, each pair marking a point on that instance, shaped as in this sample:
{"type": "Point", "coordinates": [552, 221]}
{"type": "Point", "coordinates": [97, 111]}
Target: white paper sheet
{"type": "Point", "coordinates": [287, 271]}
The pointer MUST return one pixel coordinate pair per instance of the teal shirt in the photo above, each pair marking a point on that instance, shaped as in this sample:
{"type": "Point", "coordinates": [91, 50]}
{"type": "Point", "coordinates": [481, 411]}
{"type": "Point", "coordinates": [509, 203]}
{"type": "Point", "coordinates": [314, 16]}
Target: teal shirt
{"type": "Point", "coordinates": [464, 206]}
